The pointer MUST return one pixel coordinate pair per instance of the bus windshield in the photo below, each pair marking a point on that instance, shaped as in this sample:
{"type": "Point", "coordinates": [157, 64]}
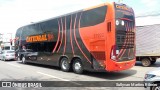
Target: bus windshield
{"type": "Point", "coordinates": [125, 33]}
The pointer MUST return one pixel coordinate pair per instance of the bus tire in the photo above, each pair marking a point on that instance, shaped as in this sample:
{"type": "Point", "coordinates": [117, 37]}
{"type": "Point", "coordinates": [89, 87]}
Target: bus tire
{"type": "Point", "coordinates": [18, 59]}
{"type": "Point", "coordinates": [77, 66]}
{"type": "Point", "coordinates": [146, 62]}
{"type": "Point", "coordinates": [23, 60]}
{"type": "Point", "coordinates": [155, 87]}
{"type": "Point", "coordinates": [64, 64]}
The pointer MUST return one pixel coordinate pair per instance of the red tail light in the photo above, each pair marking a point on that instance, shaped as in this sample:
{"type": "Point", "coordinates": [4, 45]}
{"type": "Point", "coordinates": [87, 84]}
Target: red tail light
{"type": "Point", "coordinates": [114, 52]}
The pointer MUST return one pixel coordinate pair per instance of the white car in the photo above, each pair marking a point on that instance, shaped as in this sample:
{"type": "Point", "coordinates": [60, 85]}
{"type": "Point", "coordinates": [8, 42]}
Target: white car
{"type": "Point", "coordinates": [1, 55]}
{"type": "Point", "coordinates": [152, 78]}
{"type": "Point", "coordinates": [8, 55]}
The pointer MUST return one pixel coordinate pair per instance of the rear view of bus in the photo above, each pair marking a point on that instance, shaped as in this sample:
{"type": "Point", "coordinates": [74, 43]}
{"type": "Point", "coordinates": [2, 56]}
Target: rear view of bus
{"type": "Point", "coordinates": [122, 54]}
{"type": "Point", "coordinates": [111, 40]}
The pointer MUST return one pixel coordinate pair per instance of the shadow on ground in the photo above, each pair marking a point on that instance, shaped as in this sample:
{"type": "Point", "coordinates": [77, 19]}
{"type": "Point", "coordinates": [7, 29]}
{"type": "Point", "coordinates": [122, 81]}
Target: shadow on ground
{"type": "Point", "coordinates": [103, 75]}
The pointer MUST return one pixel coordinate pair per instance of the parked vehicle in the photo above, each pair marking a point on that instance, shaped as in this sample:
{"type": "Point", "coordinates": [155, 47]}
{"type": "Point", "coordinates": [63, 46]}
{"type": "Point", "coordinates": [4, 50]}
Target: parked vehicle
{"type": "Point", "coordinates": [8, 55]}
{"type": "Point", "coordinates": [7, 46]}
{"type": "Point", "coordinates": [1, 55]}
{"type": "Point", "coordinates": [152, 78]}
{"type": "Point", "coordinates": [148, 44]}
{"type": "Point", "coordinates": [27, 53]}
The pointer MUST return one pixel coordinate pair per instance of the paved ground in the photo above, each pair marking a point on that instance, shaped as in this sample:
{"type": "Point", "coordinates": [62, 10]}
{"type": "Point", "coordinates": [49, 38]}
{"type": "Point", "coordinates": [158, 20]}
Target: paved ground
{"type": "Point", "coordinates": [16, 71]}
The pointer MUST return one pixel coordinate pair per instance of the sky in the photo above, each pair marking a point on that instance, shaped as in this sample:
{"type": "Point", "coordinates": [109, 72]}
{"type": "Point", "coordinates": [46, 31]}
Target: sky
{"type": "Point", "coordinates": [17, 13]}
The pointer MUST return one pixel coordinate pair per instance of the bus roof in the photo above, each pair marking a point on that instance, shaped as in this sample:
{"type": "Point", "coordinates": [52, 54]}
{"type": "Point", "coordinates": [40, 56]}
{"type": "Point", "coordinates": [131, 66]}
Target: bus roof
{"type": "Point", "coordinates": [89, 8]}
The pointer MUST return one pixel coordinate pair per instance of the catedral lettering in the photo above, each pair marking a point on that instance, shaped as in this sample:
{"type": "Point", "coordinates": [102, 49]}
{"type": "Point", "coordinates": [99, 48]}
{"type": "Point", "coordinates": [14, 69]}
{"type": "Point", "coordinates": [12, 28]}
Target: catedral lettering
{"type": "Point", "coordinates": [123, 7]}
{"type": "Point", "coordinates": [36, 38]}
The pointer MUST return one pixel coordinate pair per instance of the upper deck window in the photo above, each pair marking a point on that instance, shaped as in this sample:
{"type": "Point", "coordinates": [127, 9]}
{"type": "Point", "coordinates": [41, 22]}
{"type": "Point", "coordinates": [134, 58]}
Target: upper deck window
{"type": "Point", "coordinates": [93, 16]}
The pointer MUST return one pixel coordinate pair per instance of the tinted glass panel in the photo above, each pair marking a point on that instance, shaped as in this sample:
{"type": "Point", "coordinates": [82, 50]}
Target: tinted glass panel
{"type": "Point", "coordinates": [93, 16]}
{"type": "Point", "coordinates": [6, 48]}
{"type": "Point", "coordinates": [10, 51]}
{"type": "Point", "coordinates": [31, 30]}
{"type": "Point", "coordinates": [49, 26]}
{"type": "Point", "coordinates": [41, 47]}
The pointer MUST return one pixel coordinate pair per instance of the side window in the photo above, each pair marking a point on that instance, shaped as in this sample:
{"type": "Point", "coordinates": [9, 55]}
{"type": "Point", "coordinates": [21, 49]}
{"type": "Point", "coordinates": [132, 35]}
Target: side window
{"type": "Point", "coordinates": [24, 33]}
{"type": "Point", "coordinates": [93, 16]}
{"type": "Point", "coordinates": [68, 21]}
{"type": "Point", "coordinates": [50, 46]}
{"type": "Point", "coordinates": [49, 26]}
{"type": "Point", "coordinates": [41, 46]}
{"type": "Point", "coordinates": [18, 32]}
{"type": "Point", "coordinates": [31, 30]}
{"type": "Point", "coordinates": [17, 37]}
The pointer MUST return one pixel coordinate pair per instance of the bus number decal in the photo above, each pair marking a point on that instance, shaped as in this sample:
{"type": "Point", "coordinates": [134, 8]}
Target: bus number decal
{"type": "Point", "coordinates": [99, 35]}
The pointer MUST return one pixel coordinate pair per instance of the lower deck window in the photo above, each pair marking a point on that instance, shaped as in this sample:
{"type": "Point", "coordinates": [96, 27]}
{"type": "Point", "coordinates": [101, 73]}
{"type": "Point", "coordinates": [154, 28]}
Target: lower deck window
{"type": "Point", "coordinates": [41, 47]}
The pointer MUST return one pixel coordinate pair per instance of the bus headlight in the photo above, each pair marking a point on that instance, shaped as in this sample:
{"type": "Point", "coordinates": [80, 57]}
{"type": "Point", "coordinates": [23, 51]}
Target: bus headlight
{"type": "Point", "coordinates": [114, 53]}
{"type": "Point", "coordinates": [117, 22]}
{"type": "Point", "coordinates": [113, 57]}
{"type": "Point", "coordinates": [122, 23]}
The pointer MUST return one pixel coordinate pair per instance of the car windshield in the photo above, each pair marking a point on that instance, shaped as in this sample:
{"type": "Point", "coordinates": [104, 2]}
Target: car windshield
{"type": "Point", "coordinates": [3, 52]}
{"type": "Point", "coordinates": [10, 51]}
{"type": "Point", "coordinates": [28, 50]}
{"type": "Point", "coordinates": [7, 48]}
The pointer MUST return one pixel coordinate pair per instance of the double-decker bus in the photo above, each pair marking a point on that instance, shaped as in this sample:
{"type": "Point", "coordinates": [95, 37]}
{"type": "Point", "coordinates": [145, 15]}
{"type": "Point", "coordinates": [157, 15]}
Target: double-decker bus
{"type": "Point", "coordinates": [99, 38]}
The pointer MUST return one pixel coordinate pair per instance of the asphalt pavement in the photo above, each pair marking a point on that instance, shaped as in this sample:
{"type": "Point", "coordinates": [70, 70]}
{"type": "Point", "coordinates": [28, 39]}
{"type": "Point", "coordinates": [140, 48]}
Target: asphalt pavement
{"type": "Point", "coordinates": [16, 71]}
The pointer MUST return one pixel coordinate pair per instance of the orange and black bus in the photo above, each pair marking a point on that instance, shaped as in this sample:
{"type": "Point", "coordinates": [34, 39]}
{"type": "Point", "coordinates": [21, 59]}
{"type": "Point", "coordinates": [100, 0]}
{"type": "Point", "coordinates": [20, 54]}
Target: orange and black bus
{"type": "Point", "coordinates": [99, 38]}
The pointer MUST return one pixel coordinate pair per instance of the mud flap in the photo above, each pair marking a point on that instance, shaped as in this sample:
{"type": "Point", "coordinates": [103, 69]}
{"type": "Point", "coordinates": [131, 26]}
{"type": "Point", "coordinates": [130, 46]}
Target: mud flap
{"type": "Point", "coordinates": [96, 65]}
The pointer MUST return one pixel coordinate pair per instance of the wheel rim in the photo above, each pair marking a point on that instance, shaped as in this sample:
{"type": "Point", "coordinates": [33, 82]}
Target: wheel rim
{"type": "Point", "coordinates": [64, 64]}
{"type": "Point", "coordinates": [77, 66]}
{"type": "Point", "coordinates": [23, 60]}
{"type": "Point", "coordinates": [18, 59]}
{"type": "Point", "coordinates": [145, 62]}
{"type": "Point", "coordinates": [157, 88]}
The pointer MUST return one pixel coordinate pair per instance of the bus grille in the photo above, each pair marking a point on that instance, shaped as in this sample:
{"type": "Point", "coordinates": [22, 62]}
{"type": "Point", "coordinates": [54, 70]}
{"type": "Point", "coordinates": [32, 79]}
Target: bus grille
{"type": "Point", "coordinates": [125, 39]}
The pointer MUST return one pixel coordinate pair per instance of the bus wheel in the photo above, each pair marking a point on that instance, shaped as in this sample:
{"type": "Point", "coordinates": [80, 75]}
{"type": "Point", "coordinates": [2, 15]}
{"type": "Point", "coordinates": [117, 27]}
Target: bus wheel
{"type": "Point", "coordinates": [65, 66]}
{"type": "Point", "coordinates": [77, 66]}
{"type": "Point", "coordinates": [146, 62]}
{"type": "Point", "coordinates": [155, 87]}
{"type": "Point", "coordinates": [23, 60]}
{"type": "Point", "coordinates": [18, 59]}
